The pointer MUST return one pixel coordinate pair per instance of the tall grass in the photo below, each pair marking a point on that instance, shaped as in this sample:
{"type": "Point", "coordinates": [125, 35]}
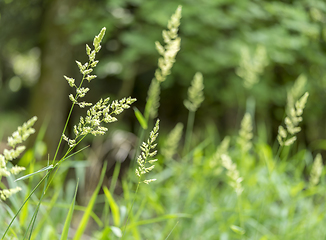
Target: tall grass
{"type": "Point", "coordinates": [238, 187]}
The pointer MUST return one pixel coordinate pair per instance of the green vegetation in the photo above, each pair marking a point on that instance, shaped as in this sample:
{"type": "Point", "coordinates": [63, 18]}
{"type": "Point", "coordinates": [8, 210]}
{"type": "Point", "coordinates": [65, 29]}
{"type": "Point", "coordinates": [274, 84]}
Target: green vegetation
{"type": "Point", "coordinates": [244, 185]}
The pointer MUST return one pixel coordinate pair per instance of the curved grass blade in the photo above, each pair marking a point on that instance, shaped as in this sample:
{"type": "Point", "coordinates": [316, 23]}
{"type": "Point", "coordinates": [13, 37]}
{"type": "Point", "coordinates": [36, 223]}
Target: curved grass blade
{"type": "Point", "coordinates": [172, 230]}
{"type": "Point", "coordinates": [65, 230]}
{"type": "Point", "coordinates": [86, 216]}
{"type": "Point", "coordinates": [29, 175]}
{"type": "Point", "coordinates": [29, 196]}
{"type": "Point", "coordinates": [142, 121]}
{"type": "Point", "coordinates": [158, 219]}
{"type": "Point", "coordinates": [115, 176]}
{"type": "Point", "coordinates": [33, 220]}
{"type": "Point", "coordinates": [114, 207]}
{"type": "Point", "coordinates": [77, 208]}
{"type": "Point", "coordinates": [45, 217]}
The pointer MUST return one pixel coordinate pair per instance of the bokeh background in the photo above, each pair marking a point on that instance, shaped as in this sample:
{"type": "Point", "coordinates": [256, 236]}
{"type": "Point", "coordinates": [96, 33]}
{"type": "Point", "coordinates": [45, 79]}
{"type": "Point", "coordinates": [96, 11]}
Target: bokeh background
{"type": "Point", "coordinates": [268, 43]}
{"type": "Point", "coordinates": [41, 39]}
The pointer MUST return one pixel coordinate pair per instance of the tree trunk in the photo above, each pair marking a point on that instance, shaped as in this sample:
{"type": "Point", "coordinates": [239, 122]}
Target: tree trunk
{"type": "Point", "coordinates": [50, 96]}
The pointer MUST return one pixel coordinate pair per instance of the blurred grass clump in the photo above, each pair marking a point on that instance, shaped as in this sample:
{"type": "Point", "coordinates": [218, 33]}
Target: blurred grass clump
{"type": "Point", "coordinates": [251, 183]}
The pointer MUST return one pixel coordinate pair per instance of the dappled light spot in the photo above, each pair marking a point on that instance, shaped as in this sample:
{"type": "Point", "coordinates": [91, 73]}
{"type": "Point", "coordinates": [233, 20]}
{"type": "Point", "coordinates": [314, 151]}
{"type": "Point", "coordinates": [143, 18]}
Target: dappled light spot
{"type": "Point", "coordinates": [15, 84]}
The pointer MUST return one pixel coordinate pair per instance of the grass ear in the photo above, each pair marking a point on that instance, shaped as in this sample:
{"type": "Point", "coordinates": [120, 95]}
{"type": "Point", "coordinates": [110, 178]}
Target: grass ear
{"type": "Point", "coordinates": [294, 110]}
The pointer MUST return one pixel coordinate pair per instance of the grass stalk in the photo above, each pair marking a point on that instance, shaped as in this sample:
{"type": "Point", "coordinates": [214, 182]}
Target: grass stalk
{"type": "Point", "coordinates": [115, 176]}
{"type": "Point", "coordinates": [189, 131]}
{"type": "Point", "coordinates": [130, 210]}
{"type": "Point", "coordinates": [240, 212]}
{"type": "Point", "coordinates": [171, 231]}
{"type": "Point", "coordinates": [69, 115]}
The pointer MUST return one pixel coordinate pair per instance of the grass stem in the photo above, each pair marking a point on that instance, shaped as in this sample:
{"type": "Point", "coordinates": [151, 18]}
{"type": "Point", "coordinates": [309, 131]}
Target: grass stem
{"type": "Point", "coordinates": [190, 126]}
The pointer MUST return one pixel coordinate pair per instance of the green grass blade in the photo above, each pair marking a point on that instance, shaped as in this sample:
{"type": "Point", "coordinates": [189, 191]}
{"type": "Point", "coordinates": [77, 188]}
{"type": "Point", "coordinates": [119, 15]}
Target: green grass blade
{"type": "Point", "coordinates": [45, 218]}
{"type": "Point", "coordinates": [29, 175]}
{"type": "Point", "coordinates": [114, 207]}
{"type": "Point", "coordinates": [86, 216]}
{"type": "Point", "coordinates": [24, 211]}
{"type": "Point", "coordinates": [158, 219]}
{"type": "Point", "coordinates": [171, 230]}
{"type": "Point", "coordinates": [33, 220]}
{"type": "Point", "coordinates": [142, 121]}
{"type": "Point", "coordinates": [77, 208]}
{"type": "Point", "coordinates": [65, 231]}
{"type": "Point", "coordinates": [189, 130]}
{"type": "Point", "coordinates": [115, 176]}
{"type": "Point", "coordinates": [69, 156]}
{"type": "Point", "coordinates": [39, 204]}
{"type": "Point", "coordinates": [29, 196]}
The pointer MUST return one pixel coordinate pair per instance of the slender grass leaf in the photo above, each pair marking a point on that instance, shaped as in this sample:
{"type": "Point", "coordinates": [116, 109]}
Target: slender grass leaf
{"type": "Point", "coordinates": [104, 235]}
{"type": "Point", "coordinates": [29, 196]}
{"type": "Point", "coordinates": [143, 205]}
{"type": "Point", "coordinates": [65, 230]}
{"type": "Point", "coordinates": [142, 121]}
{"type": "Point", "coordinates": [113, 205]}
{"type": "Point", "coordinates": [159, 219]}
{"type": "Point", "coordinates": [77, 208]}
{"type": "Point", "coordinates": [115, 176]}
{"type": "Point", "coordinates": [172, 230]}
{"type": "Point", "coordinates": [135, 233]}
{"type": "Point", "coordinates": [45, 217]}
{"type": "Point", "coordinates": [24, 211]}
{"type": "Point", "coordinates": [86, 216]}
{"type": "Point", "coordinates": [29, 175]}
{"type": "Point", "coordinates": [33, 220]}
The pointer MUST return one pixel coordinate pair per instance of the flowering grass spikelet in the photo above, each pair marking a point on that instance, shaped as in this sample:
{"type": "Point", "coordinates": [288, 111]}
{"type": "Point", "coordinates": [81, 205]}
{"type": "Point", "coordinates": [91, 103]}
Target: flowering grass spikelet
{"type": "Point", "coordinates": [296, 91]}
{"type": "Point", "coordinates": [18, 137]}
{"type": "Point", "coordinates": [316, 171]}
{"type": "Point", "coordinates": [144, 161]}
{"type": "Point", "coordinates": [85, 70]}
{"type": "Point", "coordinates": [294, 111]}
{"type": "Point", "coordinates": [70, 81]}
{"type": "Point", "coordinates": [250, 67]}
{"type": "Point", "coordinates": [233, 174]}
{"type": "Point", "coordinates": [16, 170]}
{"type": "Point", "coordinates": [100, 112]}
{"type": "Point", "coordinates": [172, 141]}
{"type": "Point", "coordinates": [215, 161]}
{"type": "Point", "coordinates": [245, 133]}
{"type": "Point", "coordinates": [195, 93]}
{"type": "Point", "coordinates": [292, 120]}
{"type": "Point", "coordinates": [6, 193]}
{"type": "Point", "coordinates": [171, 48]}
{"type": "Point", "coordinates": [221, 149]}
{"type": "Point", "coordinates": [168, 53]}
{"type": "Point", "coordinates": [22, 133]}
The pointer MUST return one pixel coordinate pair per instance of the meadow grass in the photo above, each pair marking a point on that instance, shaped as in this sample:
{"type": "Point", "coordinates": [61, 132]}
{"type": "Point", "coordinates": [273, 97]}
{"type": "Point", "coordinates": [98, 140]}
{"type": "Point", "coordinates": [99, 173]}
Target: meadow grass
{"type": "Point", "coordinates": [205, 187]}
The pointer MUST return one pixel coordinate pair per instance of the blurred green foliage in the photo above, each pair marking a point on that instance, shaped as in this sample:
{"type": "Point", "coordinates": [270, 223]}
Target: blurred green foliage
{"type": "Point", "coordinates": [213, 33]}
